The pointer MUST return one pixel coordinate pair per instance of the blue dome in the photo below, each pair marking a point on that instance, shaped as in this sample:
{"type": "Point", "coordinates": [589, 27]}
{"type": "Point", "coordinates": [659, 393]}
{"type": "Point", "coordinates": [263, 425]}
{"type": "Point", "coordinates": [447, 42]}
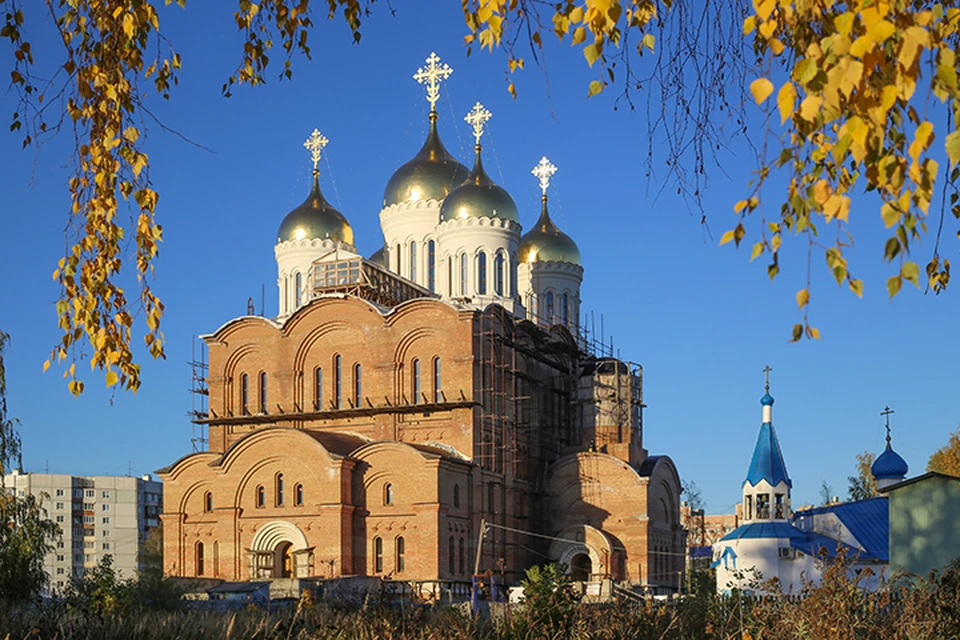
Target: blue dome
{"type": "Point", "coordinates": [767, 400]}
{"type": "Point", "coordinates": [889, 466]}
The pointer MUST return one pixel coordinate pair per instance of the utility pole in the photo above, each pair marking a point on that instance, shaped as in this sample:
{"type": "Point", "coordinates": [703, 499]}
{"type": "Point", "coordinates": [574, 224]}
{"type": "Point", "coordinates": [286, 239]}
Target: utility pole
{"type": "Point", "coordinates": [483, 530]}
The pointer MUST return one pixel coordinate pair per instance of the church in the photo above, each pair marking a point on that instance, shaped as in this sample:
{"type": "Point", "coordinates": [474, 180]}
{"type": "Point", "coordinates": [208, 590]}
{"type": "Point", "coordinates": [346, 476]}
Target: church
{"type": "Point", "coordinates": [428, 412]}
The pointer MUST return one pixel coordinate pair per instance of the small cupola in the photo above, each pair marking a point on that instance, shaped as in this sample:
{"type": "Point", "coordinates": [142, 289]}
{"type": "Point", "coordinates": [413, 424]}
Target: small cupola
{"type": "Point", "coordinates": [545, 242]}
{"type": "Point", "coordinates": [889, 467]}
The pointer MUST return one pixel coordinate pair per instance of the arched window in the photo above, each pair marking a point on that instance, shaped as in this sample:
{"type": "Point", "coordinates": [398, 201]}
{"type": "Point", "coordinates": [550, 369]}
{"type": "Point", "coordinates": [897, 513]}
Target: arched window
{"type": "Point", "coordinates": [244, 394]}
{"type": "Point", "coordinates": [482, 274]}
{"type": "Point", "coordinates": [413, 260]}
{"type": "Point", "coordinates": [565, 310]}
{"type": "Point", "coordinates": [549, 307]}
{"type": "Point", "coordinates": [416, 381]}
{"type": "Point", "coordinates": [463, 556]}
{"type": "Point", "coordinates": [338, 381]}
{"type": "Point", "coordinates": [263, 392]}
{"type": "Point", "coordinates": [456, 495]}
{"type": "Point", "coordinates": [357, 385]}
{"type": "Point", "coordinates": [464, 274]}
{"type": "Point", "coordinates": [286, 291]}
{"type": "Point", "coordinates": [400, 549]}
{"type": "Point", "coordinates": [208, 502]}
{"type": "Point", "coordinates": [279, 489]}
{"type": "Point", "coordinates": [398, 258]}
{"type": "Point", "coordinates": [432, 266]}
{"type": "Point", "coordinates": [216, 559]}
{"type": "Point", "coordinates": [378, 555]}
{"type": "Point", "coordinates": [452, 560]}
{"type": "Point", "coordinates": [298, 495]}
{"type": "Point", "coordinates": [199, 558]}
{"type": "Point", "coordinates": [498, 275]}
{"type": "Point", "coordinates": [318, 389]}
{"type": "Point", "coordinates": [437, 381]}
{"type": "Point", "coordinates": [298, 294]}
{"type": "Point", "coordinates": [261, 497]}
{"type": "Point", "coordinates": [388, 493]}
{"type": "Point", "coordinates": [450, 276]}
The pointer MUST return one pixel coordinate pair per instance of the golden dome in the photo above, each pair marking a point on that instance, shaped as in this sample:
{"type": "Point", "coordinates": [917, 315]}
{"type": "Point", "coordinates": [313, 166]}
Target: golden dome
{"type": "Point", "coordinates": [315, 218]}
{"type": "Point", "coordinates": [479, 197]}
{"type": "Point", "coordinates": [430, 175]}
{"type": "Point", "coordinates": [545, 242]}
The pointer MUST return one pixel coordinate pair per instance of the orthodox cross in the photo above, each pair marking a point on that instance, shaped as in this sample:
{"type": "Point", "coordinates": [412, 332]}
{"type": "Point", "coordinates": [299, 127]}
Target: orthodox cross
{"type": "Point", "coordinates": [543, 171]}
{"type": "Point", "coordinates": [478, 117]}
{"type": "Point", "coordinates": [766, 371]}
{"type": "Point", "coordinates": [315, 144]}
{"type": "Point", "coordinates": [886, 414]}
{"type": "Point", "coordinates": [432, 75]}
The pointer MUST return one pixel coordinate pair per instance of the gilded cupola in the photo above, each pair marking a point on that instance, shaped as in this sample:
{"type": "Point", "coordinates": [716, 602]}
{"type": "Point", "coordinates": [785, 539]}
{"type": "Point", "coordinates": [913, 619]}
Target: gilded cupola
{"type": "Point", "coordinates": [315, 218]}
{"type": "Point", "coordinates": [479, 196]}
{"type": "Point", "coordinates": [545, 242]}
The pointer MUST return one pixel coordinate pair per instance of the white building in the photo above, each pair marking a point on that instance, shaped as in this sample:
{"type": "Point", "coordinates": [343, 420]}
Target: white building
{"type": "Point", "coordinates": [98, 516]}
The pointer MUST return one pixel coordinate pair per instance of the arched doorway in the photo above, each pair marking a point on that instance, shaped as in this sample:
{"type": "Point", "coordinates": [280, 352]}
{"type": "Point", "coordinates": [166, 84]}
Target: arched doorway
{"type": "Point", "coordinates": [280, 550]}
{"type": "Point", "coordinates": [283, 560]}
{"type": "Point", "coordinates": [580, 567]}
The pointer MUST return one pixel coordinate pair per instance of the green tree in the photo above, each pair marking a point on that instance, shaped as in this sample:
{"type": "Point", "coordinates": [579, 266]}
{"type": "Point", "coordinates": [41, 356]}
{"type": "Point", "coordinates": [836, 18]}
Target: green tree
{"type": "Point", "coordinates": [946, 459]}
{"type": "Point", "coordinates": [27, 535]}
{"type": "Point", "coordinates": [863, 485]}
{"type": "Point", "coordinates": [855, 78]}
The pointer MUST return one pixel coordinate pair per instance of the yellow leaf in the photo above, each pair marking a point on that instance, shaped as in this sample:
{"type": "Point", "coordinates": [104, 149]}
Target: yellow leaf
{"type": "Point", "coordinates": [803, 297]}
{"type": "Point", "coordinates": [128, 26]}
{"type": "Point", "coordinates": [768, 28]}
{"type": "Point", "coordinates": [910, 271]}
{"type": "Point", "coordinates": [595, 87]}
{"type": "Point", "coordinates": [857, 287]}
{"type": "Point", "coordinates": [821, 191]}
{"type": "Point", "coordinates": [786, 101]}
{"type": "Point", "coordinates": [111, 378]}
{"type": "Point", "coordinates": [921, 139]}
{"type": "Point", "coordinates": [579, 35]}
{"type": "Point", "coordinates": [953, 147]}
{"type": "Point", "coordinates": [727, 237]}
{"type": "Point", "coordinates": [757, 250]}
{"type": "Point", "coordinates": [46, 365]}
{"type": "Point", "coordinates": [764, 7]}
{"type": "Point", "coordinates": [893, 285]}
{"type": "Point", "coordinates": [880, 31]}
{"type": "Point", "coordinates": [591, 53]}
{"type": "Point", "coordinates": [913, 39]}
{"type": "Point", "coordinates": [810, 107]}
{"type": "Point", "coordinates": [844, 23]}
{"type": "Point", "coordinates": [761, 88]}
{"type": "Point", "coordinates": [889, 214]}
{"type": "Point", "coordinates": [861, 46]}
{"type": "Point", "coordinates": [649, 40]}
{"type": "Point", "coordinates": [837, 206]}
{"type": "Point", "coordinates": [813, 332]}
{"type": "Point", "coordinates": [737, 208]}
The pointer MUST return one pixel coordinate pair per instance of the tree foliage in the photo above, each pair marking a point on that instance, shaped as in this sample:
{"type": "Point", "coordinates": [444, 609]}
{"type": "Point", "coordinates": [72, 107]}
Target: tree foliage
{"type": "Point", "coordinates": [946, 459]}
{"type": "Point", "coordinates": [856, 80]}
{"type": "Point", "coordinates": [863, 485]}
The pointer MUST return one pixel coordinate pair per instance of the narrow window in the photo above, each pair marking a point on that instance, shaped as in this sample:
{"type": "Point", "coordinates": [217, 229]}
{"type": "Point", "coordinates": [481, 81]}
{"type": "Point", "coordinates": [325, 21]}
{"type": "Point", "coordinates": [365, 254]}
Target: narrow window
{"type": "Point", "coordinates": [416, 382]}
{"type": "Point", "coordinates": [778, 506]}
{"type": "Point", "coordinates": [464, 272]}
{"type": "Point", "coordinates": [279, 489]}
{"type": "Point", "coordinates": [437, 381]}
{"type": "Point", "coordinates": [358, 385]}
{"type": "Point", "coordinates": [244, 394]}
{"type": "Point", "coordinates": [400, 550]}
{"type": "Point", "coordinates": [450, 277]}
{"type": "Point", "coordinates": [318, 389]}
{"type": "Point", "coordinates": [452, 560]}
{"type": "Point", "coordinates": [261, 496]}
{"type": "Point", "coordinates": [763, 506]}
{"type": "Point", "coordinates": [549, 307]}
{"type": "Point", "coordinates": [456, 495]}
{"type": "Point", "coordinates": [398, 258]}
{"type": "Point", "coordinates": [432, 266]}
{"type": "Point", "coordinates": [388, 493]}
{"type": "Point", "coordinates": [564, 310]}
{"type": "Point", "coordinates": [413, 261]}
{"type": "Point", "coordinates": [199, 558]}
{"type": "Point", "coordinates": [491, 498]}
{"type": "Point", "coordinates": [263, 392]}
{"type": "Point", "coordinates": [208, 502]}
{"type": "Point", "coordinates": [463, 556]}
{"type": "Point", "coordinates": [286, 292]}
{"type": "Point", "coordinates": [216, 559]}
{"type": "Point", "coordinates": [498, 275]}
{"type": "Point", "coordinates": [378, 555]}
{"type": "Point", "coordinates": [298, 294]}
{"type": "Point", "coordinates": [298, 495]}
{"type": "Point", "coordinates": [749, 514]}
{"type": "Point", "coordinates": [338, 382]}
{"type": "Point", "coordinates": [482, 273]}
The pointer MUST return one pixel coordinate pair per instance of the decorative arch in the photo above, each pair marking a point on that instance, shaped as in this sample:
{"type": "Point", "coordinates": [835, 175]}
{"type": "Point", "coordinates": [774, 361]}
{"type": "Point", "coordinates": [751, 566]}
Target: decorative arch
{"type": "Point", "coordinates": [583, 539]}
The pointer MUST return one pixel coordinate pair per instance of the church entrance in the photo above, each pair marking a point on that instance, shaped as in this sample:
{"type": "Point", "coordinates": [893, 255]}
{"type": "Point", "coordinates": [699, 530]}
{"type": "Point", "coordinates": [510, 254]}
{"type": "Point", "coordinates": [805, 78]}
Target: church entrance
{"type": "Point", "coordinates": [283, 560]}
{"type": "Point", "coordinates": [580, 567]}
{"type": "Point", "coordinates": [280, 550]}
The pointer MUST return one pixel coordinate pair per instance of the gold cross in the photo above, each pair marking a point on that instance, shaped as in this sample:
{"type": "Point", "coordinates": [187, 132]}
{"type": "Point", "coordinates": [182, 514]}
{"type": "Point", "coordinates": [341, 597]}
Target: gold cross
{"type": "Point", "coordinates": [766, 370]}
{"type": "Point", "coordinates": [543, 171]}
{"type": "Point", "coordinates": [432, 75]}
{"type": "Point", "coordinates": [315, 144]}
{"type": "Point", "coordinates": [478, 117]}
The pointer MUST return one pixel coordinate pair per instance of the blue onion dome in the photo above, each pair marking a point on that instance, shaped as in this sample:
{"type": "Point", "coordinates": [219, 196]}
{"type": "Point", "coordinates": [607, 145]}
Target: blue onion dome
{"type": "Point", "coordinates": [545, 242]}
{"type": "Point", "coordinates": [430, 175]}
{"type": "Point", "coordinates": [889, 465]}
{"type": "Point", "coordinates": [315, 219]}
{"type": "Point", "coordinates": [479, 197]}
{"type": "Point", "coordinates": [766, 400]}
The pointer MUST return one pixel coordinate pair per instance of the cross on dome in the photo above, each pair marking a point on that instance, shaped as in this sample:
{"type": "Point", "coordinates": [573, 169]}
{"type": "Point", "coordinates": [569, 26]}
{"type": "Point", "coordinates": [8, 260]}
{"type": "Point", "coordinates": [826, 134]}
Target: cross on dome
{"type": "Point", "coordinates": [543, 171]}
{"type": "Point", "coordinates": [886, 414]}
{"type": "Point", "coordinates": [766, 372]}
{"type": "Point", "coordinates": [478, 117]}
{"type": "Point", "coordinates": [315, 144]}
{"type": "Point", "coordinates": [432, 75]}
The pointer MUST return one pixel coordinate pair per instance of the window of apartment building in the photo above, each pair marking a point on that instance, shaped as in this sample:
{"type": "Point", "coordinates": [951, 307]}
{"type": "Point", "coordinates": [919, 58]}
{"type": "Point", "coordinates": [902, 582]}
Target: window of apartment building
{"type": "Point", "coordinates": [78, 544]}
{"type": "Point", "coordinates": [59, 505]}
{"type": "Point", "coordinates": [106, 546]}
{"type": "Point", "coordinates": [60, 558]}
{"type": "Point", "coordinates": [88, 519]}
{"type": "Point", "coordinates": [77, 533]}
{"type": "Point", "coordinates": [59, 493]}
{"type": "Point", "coordinates": [78, 557]}
{"type": "Point", "coordinates": [78, 493]}
{"type": "Point", "coordinates": [59, 518]}
{"type": "Point", "coordinates": [104, 507]}
{"type": "Point", "coordinates": [105, 533]}
{"type": "Point", "coordinates": [88, 544]}
{"type": "Point", "coordinates": [60, 544]}
{"type": "Point", "coordinates": [21, 493]}
{"type": "Point", "coordinates": [106, 520]}
{"type": "Point", "coordinates": [88, 506]}
{"type": "Point", "coordinates": [104, 494]}
{"type": "Point", "coordinates": [59, 573]}
{"type": "Point", "coordinates": [89, 493]}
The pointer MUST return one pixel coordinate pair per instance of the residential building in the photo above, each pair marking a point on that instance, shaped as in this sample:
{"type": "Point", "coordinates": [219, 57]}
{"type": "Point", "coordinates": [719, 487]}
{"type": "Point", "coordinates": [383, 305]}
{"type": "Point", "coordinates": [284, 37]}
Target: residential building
{"type": "Point", "coordinates": [924, 522]}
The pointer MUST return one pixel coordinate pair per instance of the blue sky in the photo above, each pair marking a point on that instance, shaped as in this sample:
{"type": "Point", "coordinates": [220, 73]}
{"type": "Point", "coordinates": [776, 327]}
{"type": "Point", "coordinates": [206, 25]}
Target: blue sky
{"type": "Point", "coordinates": [701, 319]}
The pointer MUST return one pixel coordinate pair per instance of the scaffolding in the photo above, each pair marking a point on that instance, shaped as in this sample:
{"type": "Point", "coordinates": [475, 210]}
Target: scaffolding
{"type": "Point", "coordinates": [359, 277]}
{"type": "Point", "coordinates": [199, 395]}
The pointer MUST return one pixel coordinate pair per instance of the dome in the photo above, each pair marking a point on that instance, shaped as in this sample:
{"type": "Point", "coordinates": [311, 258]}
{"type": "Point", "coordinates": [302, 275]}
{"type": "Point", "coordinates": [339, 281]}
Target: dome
{"type": "Point", "coordinates": [430, 175]}
{"type": "Point", "coordinates": [766, 400]}
{"type": "Point", "coordinates": [379, 257]}
{"type": "Point", "coordinates": [889, 465]}
{"type": "Point", "coordinates": [545, 242]}
{"type": "Point", "coordinates": [479, 197]}
{"type": "Point", "coordinates": [315, 218]}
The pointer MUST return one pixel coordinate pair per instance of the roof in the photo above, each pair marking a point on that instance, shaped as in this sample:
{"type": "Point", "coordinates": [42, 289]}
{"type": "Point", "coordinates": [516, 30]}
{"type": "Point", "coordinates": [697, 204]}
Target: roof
{"type": "Point", "coordinates": [764, 530]}
{"type": "Point", "coordinates": [646, 469]}
{"type": "Point", "coordinates": [238, 587]}
{"type": "Point", "coordinates": [767, 463]}
{"type": "Point", "coordinates": [341, 444]}
{"type": "Point", "coordinates": [926, 476]}
{"type": "Point", "coordinates": [867, 520]}
{"type": "Point", "coordinates": [814, 544]}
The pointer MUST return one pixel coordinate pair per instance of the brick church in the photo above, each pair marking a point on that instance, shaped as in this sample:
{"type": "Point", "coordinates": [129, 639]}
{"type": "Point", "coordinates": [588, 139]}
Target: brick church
{"type": "Point", "coordinates": [401, 403]}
